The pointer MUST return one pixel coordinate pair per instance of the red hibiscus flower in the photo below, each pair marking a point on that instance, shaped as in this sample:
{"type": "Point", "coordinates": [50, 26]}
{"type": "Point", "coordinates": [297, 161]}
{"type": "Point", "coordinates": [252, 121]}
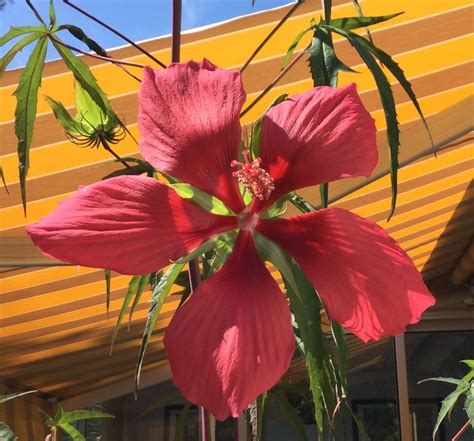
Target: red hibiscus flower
{"type": "Point", "coordinates": [232, 339]}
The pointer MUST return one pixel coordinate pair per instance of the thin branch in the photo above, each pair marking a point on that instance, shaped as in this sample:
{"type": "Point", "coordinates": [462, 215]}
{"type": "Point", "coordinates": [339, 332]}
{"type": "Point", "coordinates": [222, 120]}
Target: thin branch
{"type": "Point", "coordinates": [107, 147]}
{"type": "Point", "coordinates": [110, 28]}
{"type": "Point", "coordinates": [99, 57]}
{"type": "Point", "coordinates": [275, 81]}
{"type": "Point", "coordinates": [272, 32]}
{"type": "Point", "coordinates": [35, 11]}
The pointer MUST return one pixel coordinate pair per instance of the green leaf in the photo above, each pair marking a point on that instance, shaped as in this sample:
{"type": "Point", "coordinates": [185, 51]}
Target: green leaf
{"type": "Point", "coordinates": [398, 73]}
{"type": "Point", "coordinates": [461, 383]}
{"type": "Point", "coordinates": [81, 36]}
{"type": "Point", "coordinates": [205, 247]}
{"type": "Point", "coordinates": [107, 276]}
{"type": "Point", "coordinates": [469, 363]}
{"type": "Point", "coordinates": [469, 406]}
{"type": "Point", "coordinates": [290, 414]}
{"type": "Point", "coordinates": [350, 23]}
{"type": "Point", "coordinates": [388, 103]}
{"type": "Point", "coordinates": [5, 398]}
{"type": "Point", "coordinates": [88, 112]}
{"type": "Point", "coordinates": [6, 434]}
{"type": "Point", "coordinates": [278, 208]}
{"type": "Point", "coordinates": [133, 286]}
{"type": "Point", "coordinates": [301, 204]}
{"type": "Point", "coordinates": [62, 115]}
{"type": "Point", "coordinates": [182, 421]}
{"type": "Point", "coordinates": [138, 294]}
{"type": "Point", "coordinates": [72, 432]}
{"type": "Point", "coordinates": [52, 14]}
{"type": "Point", "coordinates": [339, 339]}
{"type": "Point", "coordinates": [323, 62]}
{"type": "Point", "coordinates": [158, 297]}
{"type": "Point", "coordinates": [17, 47]}
{"type": "Point", "coordinates": [201, 199]}
{"type": "Point", "coordinates": [262, 401]}
{"type": "Point", "coordinates": [324, 194]}
{"type": "Point", "coordinates": [361, 14]}
{"type": "Point", "coordinates": [446, 406]}
{"type": "Point", "coordinates": [293, 46]}
{"type": "Point", "coordinates": [83, 75]}
{"type": "Point", "coordinates": [77, 415]}
{"type": "Point", "coordinates": [15, 32]}
{"type": "Point", "coordinates": [257, 128]}
{"type": "Point", "coordinates": [27, 98]}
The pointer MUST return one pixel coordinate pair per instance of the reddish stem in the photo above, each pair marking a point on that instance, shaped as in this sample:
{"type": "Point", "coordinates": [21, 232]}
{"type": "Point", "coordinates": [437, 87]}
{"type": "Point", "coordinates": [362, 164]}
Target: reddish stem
{"type": "Point", "coordinates": [110, 28]}
{"type": "Point", "coordinates": [272, 32]}
{"type": "Point", "coordinates": [461, 431]}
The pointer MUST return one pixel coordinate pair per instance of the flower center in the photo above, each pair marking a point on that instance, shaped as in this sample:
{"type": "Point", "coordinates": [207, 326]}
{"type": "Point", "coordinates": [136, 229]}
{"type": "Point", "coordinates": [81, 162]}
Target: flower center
{"type": "Point", "coordinates": [246, 221]}
{"type": "Point", "coordinates": [254, 178]}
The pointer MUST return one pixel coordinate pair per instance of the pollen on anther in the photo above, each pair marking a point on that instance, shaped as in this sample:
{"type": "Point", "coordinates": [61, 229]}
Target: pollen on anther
{"type": "Point", "coordinates": [254, 178]}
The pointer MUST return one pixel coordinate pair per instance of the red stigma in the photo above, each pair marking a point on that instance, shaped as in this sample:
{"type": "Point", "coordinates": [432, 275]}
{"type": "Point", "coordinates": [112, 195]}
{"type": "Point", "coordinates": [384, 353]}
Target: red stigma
{"type": "Point", "coordinates": [254, 178]}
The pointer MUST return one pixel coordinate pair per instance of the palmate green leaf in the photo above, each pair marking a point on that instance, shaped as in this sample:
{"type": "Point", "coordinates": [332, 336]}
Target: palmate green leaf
{"type": "Point", "coordinates": [290, 414]}
{"type": "Point", "coordinates": [462, 383]}
{"type": "Point", "coordinates": [293, 45]}
{"type": "Point", "coordinates": [15, 32]}
{"type": "Point", "coordinates": [107, 276]}
{"type": "Point", "coordinates": [361, 14]}
{"type": "Point", "coordinates": [446, 406]}
{"type": "Point", "coordinates": [52, 14]}
{"type": "Point", "coordinates": [469, 363]}
{"type": "Point", "coordinates": [306, 307]}
{"type": "Point", "coordinates": [138, 294]}
{"type": "Point", "coordinates": [6, 434]}
{"type": "Point", "coordinates": [201, 199]}
{"type": "Point", "coordinates": [17, 47]}
{"type": "Point", "coordinates": [83, 75]}
{"type": "Point", "coordinates": [398, 73]}
{"type": "Point", "coordinates": [350, 23]}
{"type": "Point", "coordinates": [72, 432]}
{"type": "Point", "coordinates": [27, 98]}
{"type": "Point", "coordinates": [469, 406]}
{"type": "Point", "coordinates": [62, 115]}
{"type": "Point", "coordinates": [135, 288]}
{"type": "Point", "coordinates": [157, 299]}
{"type": "Point", "coordinates": [81, 36]}
{"type": "Point", "coordinates": [257, 128]}
{"type": "Point", "coordinates": [262, 401]}
{"type": "Point", "coordinates": [77, 415]}
{"type": "Point", "coordinates": [5, 398]}
{"type": "Point", "coordinates": [388, 103]}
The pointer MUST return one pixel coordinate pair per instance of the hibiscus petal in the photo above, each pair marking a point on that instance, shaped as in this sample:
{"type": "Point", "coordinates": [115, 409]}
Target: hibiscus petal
{"type": "Point", "coordinates": [366, 281]}
{"type": "Point", "coordinates": [129, 224]}
{"type": "Point", "coordinates": [232, 340]}
{"type": "Point", "coordinates": [317, 136]}
{"type": "Point", "coordinates": [189, 125]}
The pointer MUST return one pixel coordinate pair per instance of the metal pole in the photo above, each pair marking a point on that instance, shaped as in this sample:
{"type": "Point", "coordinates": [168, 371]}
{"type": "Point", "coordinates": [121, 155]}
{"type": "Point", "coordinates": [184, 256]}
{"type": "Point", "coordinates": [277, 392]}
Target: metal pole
{"type": "Point", "coordinates": [194, 274]}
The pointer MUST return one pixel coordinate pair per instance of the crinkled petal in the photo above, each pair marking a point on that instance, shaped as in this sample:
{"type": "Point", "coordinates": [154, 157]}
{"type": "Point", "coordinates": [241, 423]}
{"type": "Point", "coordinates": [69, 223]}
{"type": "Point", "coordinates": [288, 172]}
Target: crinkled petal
{"type": "Point", "coordinates": [232, 340]}
{"type": "Point", "coordinates": [318, 136]}
{"type": "Point", "coordinates": [129, 224]}
{"type": "Point", "coordinates": [189, 125]}
{"type": "Point", "coordinates": [366, 281]}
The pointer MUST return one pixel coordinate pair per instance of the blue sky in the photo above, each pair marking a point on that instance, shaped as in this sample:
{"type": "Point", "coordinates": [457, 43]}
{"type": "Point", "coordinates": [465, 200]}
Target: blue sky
{"type": "Point", "coordinates": [138, 19]}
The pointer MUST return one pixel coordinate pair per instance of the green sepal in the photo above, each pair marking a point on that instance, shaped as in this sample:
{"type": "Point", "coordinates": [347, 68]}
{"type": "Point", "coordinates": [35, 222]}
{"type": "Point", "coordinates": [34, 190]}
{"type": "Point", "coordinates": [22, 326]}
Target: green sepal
{"type": "Point", "coordinates": [62, 115]}
{"type": "Point", "coordinates": [202, 199]}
